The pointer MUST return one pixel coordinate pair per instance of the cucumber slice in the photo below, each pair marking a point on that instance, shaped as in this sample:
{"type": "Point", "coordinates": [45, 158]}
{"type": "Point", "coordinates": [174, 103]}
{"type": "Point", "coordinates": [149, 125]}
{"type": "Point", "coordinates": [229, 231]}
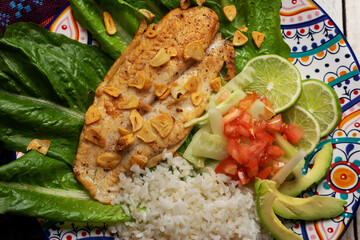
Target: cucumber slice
{"type": "Point", "coordinates": [189, 155]}
{"type": "Point", "coordinates": [205, 145]}
{"type": "Point", "coordinates": [216, 121]}
{"type": "Point", "coordinates": [211, 146]}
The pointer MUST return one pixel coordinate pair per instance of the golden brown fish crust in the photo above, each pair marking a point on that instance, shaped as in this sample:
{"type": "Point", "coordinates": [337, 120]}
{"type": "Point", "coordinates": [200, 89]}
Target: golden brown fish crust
{"type": "Point", "coordinates": [127, 123]}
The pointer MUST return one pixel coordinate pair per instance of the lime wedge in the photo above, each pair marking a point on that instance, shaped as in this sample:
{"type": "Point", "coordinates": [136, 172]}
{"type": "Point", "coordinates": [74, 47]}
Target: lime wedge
{"type": "Point", "coordinates": [321, 101]}
{"type": "Point", "coordinates": [308, 123]}
{"type": "Point", "coordinates": [276, 78]}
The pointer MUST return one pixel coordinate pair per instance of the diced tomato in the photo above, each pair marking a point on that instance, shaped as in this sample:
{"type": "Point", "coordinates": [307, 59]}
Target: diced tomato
{"type": "Point", "coordinates": [267, 102]}
{"type": "Point", "coordinates": [245, 103]}
{"type": "Point", "coordinates": [254, 95]}
{"type": "Point", "coordinates": [243, 178]}
{"type": "Point", "coordinates": [293, 133]}
{"type": "Point", "coordinates": [233, 148]}
{"type": "Point", "coordinates": [227, 166]}
{"type": "Point", "coordinates": [263, 124]}
{"type": "Point", "coordinates": [275, 152]}
{"type": "Point", "coordinates": [245, 118]}
{"type": "Point", "coordinates": [233, 130]}
{"type": "Point", "coordinates": [263, 160]}
{"type": "Point", "coordinates": [244, 151]}
{"type": "Point", "coordinates": [275, 124]}
{"type": "Point", "coordinates": [240, 152]}
{"type": "Point", "coordinates": [264, 172]}
{"type": "Point", "coordinates": [252, 168]}
{"type": "Point", "coordinates": [261, 135]}
{"type": "Point", "coordinates": [276, 166]}
{"type": "Point", "coordinates": [250, 142]}
{"type": "Point", "coordinates": [245, 124]}
{"type": "Point", "coordinates": [231, 115]}
{"type": "Point", "coordinates": [256, 148]}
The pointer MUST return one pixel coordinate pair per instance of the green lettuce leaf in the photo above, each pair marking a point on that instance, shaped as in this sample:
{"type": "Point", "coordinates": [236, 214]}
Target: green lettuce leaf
{"type": "Point", "coordinates": [37, 185]}
{"type": "Point", "coordinates": [172, 4]}
{"type": "Point", "coordinates": [47, 83]}
{"type": "Point", "coordinates": [89, 13]}
{"type": "Point", "coordinates": [257, 15]}
{"type": "Point", "coordinates": [154, 6]}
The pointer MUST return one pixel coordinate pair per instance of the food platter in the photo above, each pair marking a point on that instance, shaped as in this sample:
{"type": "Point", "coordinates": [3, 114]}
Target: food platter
{"type": "Point", "coordinates": [319, 50]}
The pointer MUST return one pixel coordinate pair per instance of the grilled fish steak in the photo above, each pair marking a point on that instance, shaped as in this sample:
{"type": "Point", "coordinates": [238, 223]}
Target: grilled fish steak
{"type": "Point", "coordinates": [140, 108]}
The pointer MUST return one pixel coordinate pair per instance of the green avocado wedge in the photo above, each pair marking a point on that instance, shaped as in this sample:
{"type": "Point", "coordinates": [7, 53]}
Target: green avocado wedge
{"type": "Point", "coordinates": [270, 202]}
{"type": "Point", "coordinates": [265, 198]}
{"type": "Point", "coordinates": [311, 208]}
{"type": "Point", "coordinates": [322, 163]}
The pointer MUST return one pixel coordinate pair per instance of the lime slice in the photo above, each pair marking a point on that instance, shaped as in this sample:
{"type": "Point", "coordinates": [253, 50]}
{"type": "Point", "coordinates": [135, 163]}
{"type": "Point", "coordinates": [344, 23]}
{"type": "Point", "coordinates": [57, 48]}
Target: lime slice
{"type": "Point", "coordinates": [322, 101]}
{"type": "Point", "coordinates": [308, 123]}
{"type": "Point", "coordinates": [276, 78]}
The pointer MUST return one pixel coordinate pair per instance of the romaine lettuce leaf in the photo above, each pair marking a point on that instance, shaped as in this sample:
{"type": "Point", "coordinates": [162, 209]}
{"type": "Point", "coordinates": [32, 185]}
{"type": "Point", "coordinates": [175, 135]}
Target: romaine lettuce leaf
{"type": "Point", "coordinates": [172, 4]}
{"type": "Point", "coordinates": [154, 6]}
{"type": "Point", "coordinates": [37, 185]}
{"type": "Point", "coordinates": [257, 15]}
{"type": "Point", "coordinates": [46, 85]}
{"type": "Point", "coordinates": [89, 13]}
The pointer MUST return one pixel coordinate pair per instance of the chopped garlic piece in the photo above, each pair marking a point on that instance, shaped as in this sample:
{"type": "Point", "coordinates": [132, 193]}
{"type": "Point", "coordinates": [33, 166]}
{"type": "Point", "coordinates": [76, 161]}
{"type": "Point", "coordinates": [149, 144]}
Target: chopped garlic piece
{"type": "Point", "coordinates": [42, 146]}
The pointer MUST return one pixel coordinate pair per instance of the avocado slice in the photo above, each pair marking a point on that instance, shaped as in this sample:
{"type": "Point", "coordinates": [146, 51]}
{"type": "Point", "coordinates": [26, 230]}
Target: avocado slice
{"type": "Point", "coordinates": [311, 208]}
{"type": "Point", "coordinates": [265, 198]}
{"type": "Point", "coordinates": [322, 163]}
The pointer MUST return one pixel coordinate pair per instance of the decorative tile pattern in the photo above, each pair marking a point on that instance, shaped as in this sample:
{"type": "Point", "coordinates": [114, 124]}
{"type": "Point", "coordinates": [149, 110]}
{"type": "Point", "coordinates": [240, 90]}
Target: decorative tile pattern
{"type": "Point", "coordinates": [320, 50]}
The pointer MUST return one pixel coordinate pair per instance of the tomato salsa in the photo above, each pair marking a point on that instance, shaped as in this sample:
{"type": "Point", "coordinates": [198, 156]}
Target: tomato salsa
{"type": "Point", "coordinates": [250, 140]}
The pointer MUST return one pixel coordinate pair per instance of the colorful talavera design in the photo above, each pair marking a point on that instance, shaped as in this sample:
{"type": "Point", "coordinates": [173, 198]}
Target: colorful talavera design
{"type": "Point", "coordinates": [73, 231]}
{"type": "Point", "coordinates": [319, 50]}
{"type": "Point", "coordinates": [65, 24]}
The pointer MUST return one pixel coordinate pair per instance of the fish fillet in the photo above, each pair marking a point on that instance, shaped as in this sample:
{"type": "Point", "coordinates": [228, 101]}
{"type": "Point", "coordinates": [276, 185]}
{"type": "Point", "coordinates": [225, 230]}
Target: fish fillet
{"type": "Point", "coordinates": [99, 160]}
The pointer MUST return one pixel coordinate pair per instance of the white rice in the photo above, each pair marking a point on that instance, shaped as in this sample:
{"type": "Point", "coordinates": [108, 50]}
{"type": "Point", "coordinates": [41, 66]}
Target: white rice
{"type": "Point", "coordinates": [181, 204]}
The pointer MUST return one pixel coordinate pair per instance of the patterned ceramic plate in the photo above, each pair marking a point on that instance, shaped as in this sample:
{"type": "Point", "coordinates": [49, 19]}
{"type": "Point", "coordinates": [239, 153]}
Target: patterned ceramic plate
{"type": "Point", "coordinates": [319, 50]}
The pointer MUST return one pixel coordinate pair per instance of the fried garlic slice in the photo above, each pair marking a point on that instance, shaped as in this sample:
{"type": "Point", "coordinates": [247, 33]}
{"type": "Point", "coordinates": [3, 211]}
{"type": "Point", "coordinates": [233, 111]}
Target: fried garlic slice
{"type": "Point", "coordinates": [146, 134]}
{"type": "Point", "coordinates": [108, 160]}
{"type": "Point", "coordinates": [163, 124]}
{"type": "Point", "coordinates": [136, 120]}
{"type": "Point", "coordinates": [92, 115]}
{"type": "Point", "coordinates": [42, 146]}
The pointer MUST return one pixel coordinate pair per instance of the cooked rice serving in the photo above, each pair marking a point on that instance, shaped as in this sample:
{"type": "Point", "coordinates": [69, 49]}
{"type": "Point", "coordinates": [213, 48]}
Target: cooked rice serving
{"type": "Point", "coordinates": [177, 203]}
